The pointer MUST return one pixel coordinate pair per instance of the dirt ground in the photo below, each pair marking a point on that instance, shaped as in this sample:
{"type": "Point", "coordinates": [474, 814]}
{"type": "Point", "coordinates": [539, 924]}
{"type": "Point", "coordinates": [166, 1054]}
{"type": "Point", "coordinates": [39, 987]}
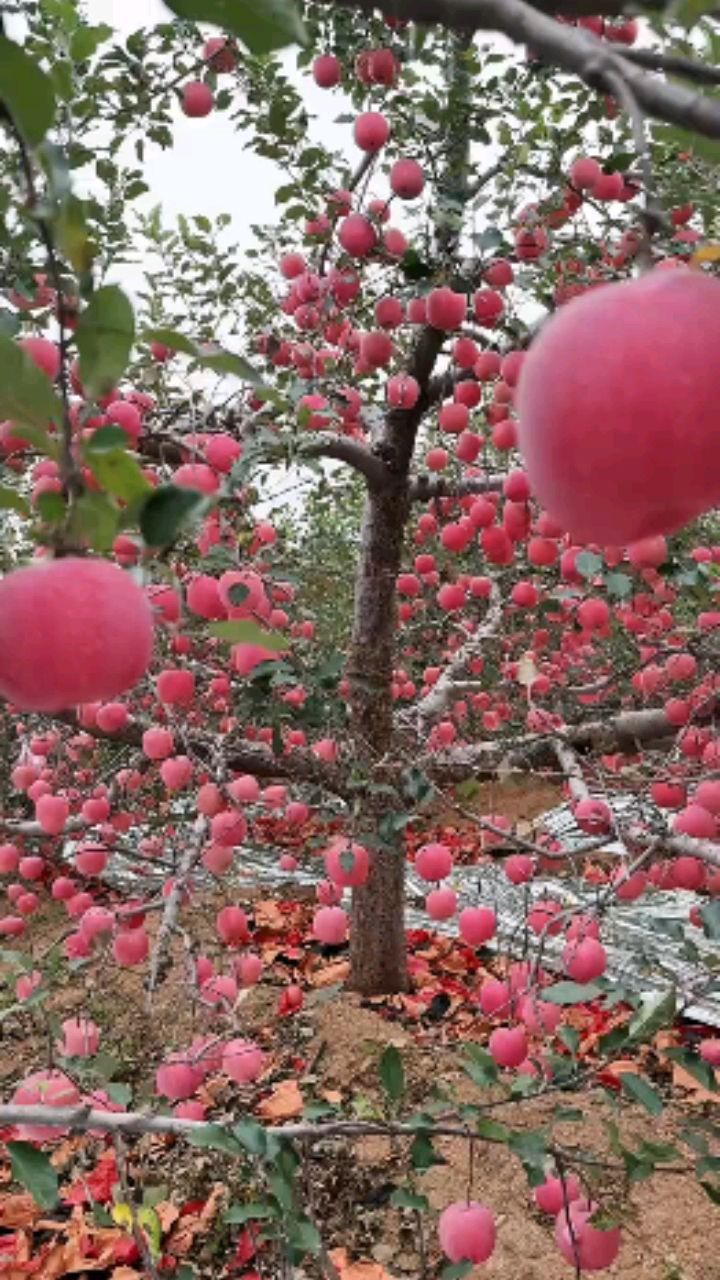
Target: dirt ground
{"type": "Point", "coordinates": [332, 1048]}
{"type": "Point", "coordinates": [675, 1235]}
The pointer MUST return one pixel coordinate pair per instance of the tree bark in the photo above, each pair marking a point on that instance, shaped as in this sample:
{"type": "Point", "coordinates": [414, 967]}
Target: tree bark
{"type": "Point", "coordinates": [377, 937]}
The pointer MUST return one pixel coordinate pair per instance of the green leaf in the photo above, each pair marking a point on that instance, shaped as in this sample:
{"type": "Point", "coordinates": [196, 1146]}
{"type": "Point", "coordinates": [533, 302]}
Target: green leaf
{"type": "Point", "coordinates": [304, 1235]}
{"type": "Point", "coordinates": [245, 631]}
{"type": "Point", "coordinates": [570, 1038]}
{"type": "Point", "coordinates": [104, 336]}
{"type": "Point", "coordinates": [571, 992]}
{"type": "Point", "coordinates": [251, 1136]}
{"type": "Point", "coordinates": [423, 1154]}
{"type": "Point", "coordinates": [51, 507]}
{"type": "Point", "coordinates": [263, 27]}
{"type": "Point", "coordinates": [481, 1066]}
{"type": "Point", "coordinates": [166, 511]}
{"type": "Point", "coordinates": [33, 1170]}
{"type": "Point", "coordinates": [95, 518]}
{"type": "Point", "coordinates": [86, 40]}
{"type": "Point", "coordinates": [456, 1271]}
{"type": "Point", "coordinates": [216, 359]}
{"type": "Point", "coordinates": [588, 564]}
{"type": "Point", "coordinates": [119, 474]}
{"type": "Point", "coordinates": [640, 1091]}
{"type": "Point", "coordinates": [530, 1147]}
{"type": "Point", "coordinates": [170, 338]}
{"type": "Point", "coordinates": [695, 1066]}
{"type": "Point", "coordinates": [214, 1138]}
{"type": "Point", "coordinates": [257, 1212]}
{"type": "Point", "coordinates": [73, 236]}
{"type": "Point", "coordinates": [656, 1011]}
{"type": "Point", "coordinates": [105, 440]}
{"type": "Point", "coordinates": [392, 1073]}
{"type": "Point", "coordinates": [491, 1130]}
{"type": "Point", "coordinates": [710, 916]}
{"type": "Point", "coordinates": [11, 500]}
{"type": "Point", "coordinates": [401, 1198]}
{"type": "Point", "coordinates": [618, 584]}
{"type": "Point", "coordinates": [26, 394]}
{"type": "Point", "coordinates": [26, 92]}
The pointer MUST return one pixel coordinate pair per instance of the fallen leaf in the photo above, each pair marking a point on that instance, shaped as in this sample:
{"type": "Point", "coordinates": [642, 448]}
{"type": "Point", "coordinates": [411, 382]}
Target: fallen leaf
{"type": "Point", "coordinates": [285, 1102]}
{"type": "Point", "coordinates": [269, 916]}
{"type": "Point", "coordinates": [191, 1225]}
{"type": "Point", "coordinates": [125, 1273]}
{"type": "Point", "coordinates": [357, 1270]}
{"type": "Point", "coordinates": [167, 1213]}
{"type": "Point", "coordinates": [333, 1096]}
{"type": "Point", "coordinates": [18, 1211]}
{"type": "Point", "coordinates": [329, 974]}
{"type": "Point", "coordinates": [697, 1093]}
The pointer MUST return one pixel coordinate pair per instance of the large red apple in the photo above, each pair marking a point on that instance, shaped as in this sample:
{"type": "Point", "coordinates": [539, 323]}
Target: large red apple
{"type": "Point", "coordinates": [619, 403]}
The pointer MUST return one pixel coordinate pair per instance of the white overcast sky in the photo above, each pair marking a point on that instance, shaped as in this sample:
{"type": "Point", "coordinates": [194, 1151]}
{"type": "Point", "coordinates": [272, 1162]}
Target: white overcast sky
{"type": "Point", "coordinates": [207, 170]}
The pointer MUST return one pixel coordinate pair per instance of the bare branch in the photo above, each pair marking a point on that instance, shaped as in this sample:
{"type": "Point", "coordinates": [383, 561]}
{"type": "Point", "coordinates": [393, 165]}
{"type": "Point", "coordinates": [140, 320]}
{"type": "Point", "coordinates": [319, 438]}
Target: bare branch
{"type": "Point", "coordinates": [354, 453]}
{"type": "Point", "coordinates": [423, 488]}
{"type": "Point", "coordinates": [682, 846]}
{"type": "Point", "coordinates": [672, 63]}
{"type": "Point", "coordinates": [438, 698]}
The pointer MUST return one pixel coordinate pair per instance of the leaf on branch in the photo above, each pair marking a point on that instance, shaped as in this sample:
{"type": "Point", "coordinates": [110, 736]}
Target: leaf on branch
{"type": "Point", "coordinates": [26, 91]}
{"type": "Point", "coordinates": [33, 1170]}
{"type": "Point", "coordinates": [392, 1073]}
{"type": "Point", "coordinates": [166, 511]}
{"type": "Point", "coordinates": [105, 335]}
{"type": "Point", "coordinates": [572, 993]}
{"type": "Point", "coordinates": [214, 358]}
{"type": "Point", "coordinates": [11, 500]}
{"type": "Point", "coordinates": [26, 394]}
{"type": "Point", "coordinates": [263, 27]}
{"type": "Point", "coordinates": [245, 631]}
{"type": "Point", "coordinates": [656, 1011]}
{"type": "Point", "coordinates": [640, 1091]}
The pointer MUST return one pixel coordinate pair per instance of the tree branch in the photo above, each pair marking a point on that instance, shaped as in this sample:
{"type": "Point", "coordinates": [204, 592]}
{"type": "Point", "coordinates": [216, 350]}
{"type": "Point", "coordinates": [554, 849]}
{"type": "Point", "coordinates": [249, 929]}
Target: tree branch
{"type": "Point", "coordinates": [423, 488]}
{"type": "Point", "coordinates": [243, 757]}
{"type": "Point", "coordinates": [577, 51]}
{"type": "Point", "coordinates": [672, 63]}
{"type": "Point", "coordinates": [438, 698]}
{"type": "Point", "coordinates": [355, 454]}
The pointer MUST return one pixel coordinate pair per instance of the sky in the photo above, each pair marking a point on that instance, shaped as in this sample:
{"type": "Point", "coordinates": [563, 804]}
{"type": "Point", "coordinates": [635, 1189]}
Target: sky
{"type": "Point", "coordinates": [207, 171]}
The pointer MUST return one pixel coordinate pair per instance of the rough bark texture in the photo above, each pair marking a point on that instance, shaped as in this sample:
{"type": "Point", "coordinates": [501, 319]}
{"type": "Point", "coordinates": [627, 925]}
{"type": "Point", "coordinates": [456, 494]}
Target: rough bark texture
{"type": "Point", "coordinates": [378, 928]}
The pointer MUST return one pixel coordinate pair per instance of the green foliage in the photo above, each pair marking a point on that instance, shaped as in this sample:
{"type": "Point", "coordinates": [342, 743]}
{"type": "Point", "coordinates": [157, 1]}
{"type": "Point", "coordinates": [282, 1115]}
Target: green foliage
{"type": "Point", "coordinates": [26, 92]}
{"type": "Point", "coordinates": [640, 1091]}
{"type": "Point", "coordinates": [245, 631]}
{"type": "Point", "coordinates": [572, 992]}
{"type": "Point", "coordinates": [167, 511]}
{"type": "Point", "coordinates": [392, 1073]}
{"type": "Point", "coordinates": [26, 395]}
{"type": "Point", "coordinates": [33, 1169]}
{"type": "Point", "coordinates": [104, 337]}
{"type": "Point", "coordinates": [272, 26]}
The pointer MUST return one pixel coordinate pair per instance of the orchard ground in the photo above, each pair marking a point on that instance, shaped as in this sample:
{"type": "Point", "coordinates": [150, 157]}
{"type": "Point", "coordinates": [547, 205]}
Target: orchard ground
{"type": "Point", "coordinates": [329, 1053]}
{"type": "Point", "coordinates": [332, 1048]}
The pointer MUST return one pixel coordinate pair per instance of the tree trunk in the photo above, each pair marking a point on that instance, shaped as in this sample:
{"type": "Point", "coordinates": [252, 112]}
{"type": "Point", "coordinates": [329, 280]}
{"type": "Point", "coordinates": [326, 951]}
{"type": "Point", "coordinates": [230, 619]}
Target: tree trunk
{"type": "Point", "coordinates": [377, 937]}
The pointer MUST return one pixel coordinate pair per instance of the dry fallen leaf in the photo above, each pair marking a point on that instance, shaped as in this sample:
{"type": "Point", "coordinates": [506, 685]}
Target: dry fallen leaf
{"type": "Point", "coordinates": [191, 1225]}
{"type": "Point", "coordinates": [269, 916]}
{"type": "Point", "coordinates": [18, 1211]}
{"type": "Point", "coordinates": [167, 1214]}
{"type": "Point", "coordinates": [357, 1270]}
{"type": "Point", "coordinates": [329, 974]}
{"type": "Point", "coordinates": [285, 1102]}
{"type": "Point", "coordinates": [125, 1273]}
{"type": "Point", "coordinates": [697, 1094]}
